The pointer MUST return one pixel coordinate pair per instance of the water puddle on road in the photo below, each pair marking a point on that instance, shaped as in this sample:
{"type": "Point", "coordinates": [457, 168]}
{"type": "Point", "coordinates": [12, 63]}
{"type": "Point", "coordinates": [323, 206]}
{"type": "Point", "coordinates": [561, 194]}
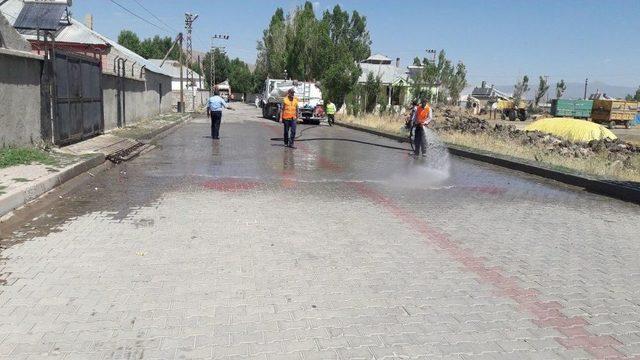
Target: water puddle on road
{"type": "Point", "coordinates": [432, 170]}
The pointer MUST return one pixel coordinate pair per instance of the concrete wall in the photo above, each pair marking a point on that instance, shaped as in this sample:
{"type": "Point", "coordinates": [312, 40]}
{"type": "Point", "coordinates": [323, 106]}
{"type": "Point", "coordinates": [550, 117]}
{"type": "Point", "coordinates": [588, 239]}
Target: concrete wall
{"type": "Point", "coordinates": [202, 97]}
{"type": "Point", "coordinates": [19, 98]}
{"type": "Point", "coordinates": [143, 99]}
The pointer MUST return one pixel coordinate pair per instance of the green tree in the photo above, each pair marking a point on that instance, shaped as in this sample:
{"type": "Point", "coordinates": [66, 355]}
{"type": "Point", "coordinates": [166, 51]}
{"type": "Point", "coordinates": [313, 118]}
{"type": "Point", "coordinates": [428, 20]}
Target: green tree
{"type": "Point", "coordinates": [222, 67]}
{"type": "Point", "coordinates": [635, 97]}
{"type": "Point", "coordinates": [311, 49]}
{"type": "Point", "coordinates": [240, 77]}
{"type": "Point", "coordinates": [130, 40]}
{"type": "Point", "coordinates": [520, 89]}
{"type": "Point", "coordinates": [543, 87]}
{"type": "Point", "coordinates": [371, 92]}
{"type": "Point", "coordinates": [417, 61]}
{"type": "Point", "coordinates": [561, 87]}
{"type": "Point", "coordinates": [458, 82]}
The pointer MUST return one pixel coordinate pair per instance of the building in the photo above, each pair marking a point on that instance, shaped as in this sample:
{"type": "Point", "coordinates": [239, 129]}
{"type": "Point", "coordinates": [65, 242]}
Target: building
{"type": "Point", "coordinates": [114, 86]}
{"type": "Point", "coordinates": [172, 67]}
{"type": "Point", "coordinates": [484, 96]}
{"type": "Point", "coordinates": [393, 78]}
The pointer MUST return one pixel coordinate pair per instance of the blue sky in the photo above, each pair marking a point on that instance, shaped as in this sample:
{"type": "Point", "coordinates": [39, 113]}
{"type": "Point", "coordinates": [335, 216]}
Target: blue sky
{"type": "Point", "coordinates": [498, 40]}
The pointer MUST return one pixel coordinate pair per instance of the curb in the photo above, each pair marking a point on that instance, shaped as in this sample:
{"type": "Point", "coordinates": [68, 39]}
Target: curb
{"type": "Point", "coordinates": [24, 195]}
{"type": "Point", "coordinates": [159, 133]}
{"type": "Point", "coordinates": [613, 189]}
{"type": "Point", "coordinates": [30, 192]}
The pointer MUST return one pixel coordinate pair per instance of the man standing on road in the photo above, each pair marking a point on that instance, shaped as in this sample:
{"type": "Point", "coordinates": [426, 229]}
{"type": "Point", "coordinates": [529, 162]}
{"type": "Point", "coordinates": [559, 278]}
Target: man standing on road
{"type": "Point", "coordinates": [421, 119]}
{"type": "Point", "coordinates": [331, 113]}
{"type": "Point", "coordinates": [214, 108]}
{"type": "Point", "coordinates": [289, 116]}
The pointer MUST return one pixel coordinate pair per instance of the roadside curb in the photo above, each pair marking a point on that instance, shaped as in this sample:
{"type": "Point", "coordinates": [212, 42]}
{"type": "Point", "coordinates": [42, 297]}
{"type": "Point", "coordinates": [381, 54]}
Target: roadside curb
{"type": "Point", "coordinates": [160, 133]}
{"type": "Point", "coordinates": [612, 189]}
{"type": "Point", "coordinates": [23, 195]}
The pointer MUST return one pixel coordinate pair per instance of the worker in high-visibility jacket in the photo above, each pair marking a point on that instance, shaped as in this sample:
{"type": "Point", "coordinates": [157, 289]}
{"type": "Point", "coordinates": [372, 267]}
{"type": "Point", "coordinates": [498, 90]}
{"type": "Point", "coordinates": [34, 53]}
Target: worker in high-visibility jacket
{"type": "Point", "coordinates": [331, 113]}
{"type": "Point", "coordinates": [422, 118]}
{"type": "Point", "coordinates": [289, 116]}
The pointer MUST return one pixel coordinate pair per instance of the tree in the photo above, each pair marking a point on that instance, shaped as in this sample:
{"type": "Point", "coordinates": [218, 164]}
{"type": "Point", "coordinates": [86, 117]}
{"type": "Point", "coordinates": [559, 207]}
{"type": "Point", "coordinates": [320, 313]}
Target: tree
{"type": "Point", "coordinates": [150, 48]}
{"type": "Point", "coordinates": [222, 67]}
{"type": "Point", "coordinates": [371, 91]}
{"type": "Point", "coordinates": [561, 87]}
{"type": "Point", "coordinates": [635, 97]}
{"type": "Point", "coordinates": [520, 89]}
{"type": "Point", "coordinates": [543, 87]}
{"type": "Point", "coordinates": [458, 82]}
{"type": "Point", "coordinates": [308, 48]}
{"type": "Point", "coordinates": [130, 40]}
{"type": "Point", "coordinates": [240, 77]}
{"type": "Point", "coordinates": [417, 61]}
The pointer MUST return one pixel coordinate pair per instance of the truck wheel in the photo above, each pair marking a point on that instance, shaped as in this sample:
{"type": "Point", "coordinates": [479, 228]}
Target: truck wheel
{"type": "Point", "coordinates": [512, 115]}
{"type": "Point", "coordinates": [627, 124]}
{"type": "Point", "coordinates": [502, 117]}
{"type": "Point", "coordinates": [612, 124]}
{"type": "Point", "coordinates": [264, 112]}
{"type": "Point", "coordinates": [522, 115]}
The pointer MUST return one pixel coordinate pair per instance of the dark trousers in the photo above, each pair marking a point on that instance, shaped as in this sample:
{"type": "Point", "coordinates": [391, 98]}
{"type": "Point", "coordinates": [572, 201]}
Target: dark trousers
{"type": "Point", "coordinates": [331, 119]}
{"type": "Point", "coordinates": [216, 119]}
{"type": "Point", "coordinates": [420, 140]}
{"type": "Point", "coordinates": [289, 132]}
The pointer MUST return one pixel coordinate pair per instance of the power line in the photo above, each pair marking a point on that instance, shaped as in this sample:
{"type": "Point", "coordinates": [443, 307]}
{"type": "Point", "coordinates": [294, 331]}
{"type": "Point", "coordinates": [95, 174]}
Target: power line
{"type": "Point", "coordinates": [138, 16]}
{"type": "Point", "coordinates": [157, 18]}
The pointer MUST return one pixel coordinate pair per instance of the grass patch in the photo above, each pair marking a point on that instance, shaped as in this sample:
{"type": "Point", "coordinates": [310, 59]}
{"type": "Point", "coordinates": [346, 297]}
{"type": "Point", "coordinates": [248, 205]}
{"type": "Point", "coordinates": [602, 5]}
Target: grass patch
{"type": "Point", "coordinates": [2, 187]}
{"type": "Point", "coordinates": [21, 180]}
{"type": "Point", "coordinates": [598, 165]}
{"type": "Point", "coordinates": [24, 156]}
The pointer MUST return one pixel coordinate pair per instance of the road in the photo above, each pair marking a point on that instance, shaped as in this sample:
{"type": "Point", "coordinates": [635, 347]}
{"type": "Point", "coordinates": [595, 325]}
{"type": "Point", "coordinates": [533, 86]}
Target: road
{"type": "Point", "coordinates": [344, 248]}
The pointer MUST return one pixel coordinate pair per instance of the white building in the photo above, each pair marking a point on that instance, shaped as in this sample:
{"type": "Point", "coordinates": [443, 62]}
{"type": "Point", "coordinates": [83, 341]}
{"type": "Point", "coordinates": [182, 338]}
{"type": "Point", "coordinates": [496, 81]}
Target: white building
{"type": "Point", "coordinates": [392, 76]}
{"type": "Point", "coordinates": [173, 68]}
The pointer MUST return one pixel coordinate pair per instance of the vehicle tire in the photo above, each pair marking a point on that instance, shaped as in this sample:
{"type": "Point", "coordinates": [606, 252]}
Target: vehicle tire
{"type": "Point", "coordinates": [627, 124]}
{"type": "Point", "coordinates": [522, 115]}
{"type": "Point", "coordinates": [502, 116]}
{"type": "Point", "coordinates": [512, 115]}
{"type": "Point", "coordinates": [264, 112]}
{"type": "Point", "coordinates": [612, 124]}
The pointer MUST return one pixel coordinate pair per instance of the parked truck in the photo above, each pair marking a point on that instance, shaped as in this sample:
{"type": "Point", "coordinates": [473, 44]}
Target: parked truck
{"type": "Point", "coordinates": [311, 107]}
{"type": "Point", "coordinates": [615, 112]}
{"type": "Point", "coordinates": [579, 109]}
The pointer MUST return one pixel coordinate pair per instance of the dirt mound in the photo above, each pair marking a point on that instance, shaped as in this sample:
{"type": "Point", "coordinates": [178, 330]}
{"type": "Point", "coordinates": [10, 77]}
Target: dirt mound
{"type": "Point", "coordinates": [452, 120]}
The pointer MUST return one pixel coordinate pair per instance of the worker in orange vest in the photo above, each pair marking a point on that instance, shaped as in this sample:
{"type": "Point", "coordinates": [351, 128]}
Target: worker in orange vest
{"type": "Point", "coordinates": [289, 116]}
{"type": "Point", "coordinates": [422, 117]}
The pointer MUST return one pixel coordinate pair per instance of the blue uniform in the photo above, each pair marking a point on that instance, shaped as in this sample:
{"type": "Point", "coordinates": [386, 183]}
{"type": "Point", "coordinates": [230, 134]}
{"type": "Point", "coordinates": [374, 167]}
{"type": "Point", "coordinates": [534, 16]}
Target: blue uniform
{"type": "Point", "coordinates": [216, 103]}
{"type": "Point", "coordinates": [215, 106]}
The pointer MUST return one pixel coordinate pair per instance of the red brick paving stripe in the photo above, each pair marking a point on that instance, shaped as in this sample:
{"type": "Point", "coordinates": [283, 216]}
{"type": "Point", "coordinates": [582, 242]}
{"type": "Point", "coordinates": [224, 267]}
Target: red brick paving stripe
{"type": "Point", "coordinates": [230, 185]}
{"type": "Point", "coordinates": [546, 314]}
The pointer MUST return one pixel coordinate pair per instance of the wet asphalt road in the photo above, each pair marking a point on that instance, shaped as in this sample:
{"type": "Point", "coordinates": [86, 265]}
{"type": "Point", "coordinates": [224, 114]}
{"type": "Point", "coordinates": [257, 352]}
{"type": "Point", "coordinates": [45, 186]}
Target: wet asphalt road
{"type": "Point", "coordinates": [342, 248]}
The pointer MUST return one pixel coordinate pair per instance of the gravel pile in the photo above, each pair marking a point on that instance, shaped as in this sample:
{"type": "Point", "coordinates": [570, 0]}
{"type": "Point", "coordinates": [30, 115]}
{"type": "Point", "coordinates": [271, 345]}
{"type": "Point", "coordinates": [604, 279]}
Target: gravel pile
{"type": "Point", "coordinates": [615, 149]}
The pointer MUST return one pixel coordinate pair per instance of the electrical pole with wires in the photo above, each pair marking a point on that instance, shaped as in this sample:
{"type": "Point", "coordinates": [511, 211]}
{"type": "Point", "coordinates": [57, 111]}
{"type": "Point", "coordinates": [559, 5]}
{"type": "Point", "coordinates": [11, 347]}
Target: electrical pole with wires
{"type": "Point", "coordinates": [189, 19]}
{"type": "Point", "coordinates": [212, 68]}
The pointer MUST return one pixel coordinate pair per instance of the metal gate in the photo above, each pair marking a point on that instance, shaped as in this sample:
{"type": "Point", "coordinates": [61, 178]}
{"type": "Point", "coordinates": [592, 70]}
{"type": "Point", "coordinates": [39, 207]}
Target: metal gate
{"type": "Point", "coordinates": [76, 99]}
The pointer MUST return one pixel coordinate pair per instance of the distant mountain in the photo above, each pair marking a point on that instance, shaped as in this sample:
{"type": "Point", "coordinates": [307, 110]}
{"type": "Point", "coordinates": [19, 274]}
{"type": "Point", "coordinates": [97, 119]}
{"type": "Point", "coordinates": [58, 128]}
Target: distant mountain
{"type": "Point", "coordinates": [574, 90]}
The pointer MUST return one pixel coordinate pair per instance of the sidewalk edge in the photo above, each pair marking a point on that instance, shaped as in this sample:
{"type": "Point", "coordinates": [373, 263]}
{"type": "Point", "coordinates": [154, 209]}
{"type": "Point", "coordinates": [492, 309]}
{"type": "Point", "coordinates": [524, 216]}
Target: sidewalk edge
{"type": "Point", "coordinates": [20, 197]}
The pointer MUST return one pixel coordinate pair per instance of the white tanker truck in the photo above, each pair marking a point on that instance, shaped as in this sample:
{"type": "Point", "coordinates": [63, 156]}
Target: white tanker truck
{"type": "Point", "coordinates": [311, 105]}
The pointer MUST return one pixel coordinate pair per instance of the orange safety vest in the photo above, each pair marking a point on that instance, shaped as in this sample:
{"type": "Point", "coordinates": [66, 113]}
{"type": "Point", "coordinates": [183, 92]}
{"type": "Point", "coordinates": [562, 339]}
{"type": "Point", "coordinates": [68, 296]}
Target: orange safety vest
{"type": "Point", "coordinates": [290, 108]}
{"type": "Point", "coordinates": [422, 114]}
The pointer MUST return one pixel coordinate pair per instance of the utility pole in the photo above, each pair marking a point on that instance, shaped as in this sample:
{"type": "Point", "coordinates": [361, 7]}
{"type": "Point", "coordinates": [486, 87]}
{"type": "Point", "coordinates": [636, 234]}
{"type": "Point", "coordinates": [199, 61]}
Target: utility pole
{"type": "Point", "coordinates": [189, 19]}
{"type": "Point", "coordinates": [212, 70]}
{"type": "Point", "coordinates": [586, 84]}
{"type": "Point", "coordinates": [432, 53]}
{"type": "Point", "coordinates": [181, 77]}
